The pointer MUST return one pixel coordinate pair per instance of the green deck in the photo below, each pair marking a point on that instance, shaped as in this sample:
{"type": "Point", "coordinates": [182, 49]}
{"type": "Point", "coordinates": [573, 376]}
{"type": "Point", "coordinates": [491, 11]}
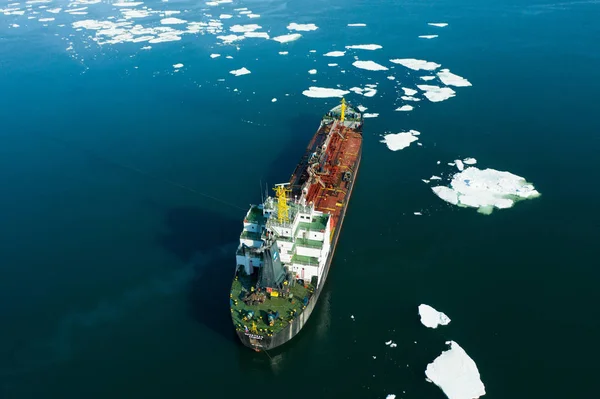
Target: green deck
{"type": "Point", "coordinates": [282, 305]}
{"type": "Point", "coordinates": [255, 215]}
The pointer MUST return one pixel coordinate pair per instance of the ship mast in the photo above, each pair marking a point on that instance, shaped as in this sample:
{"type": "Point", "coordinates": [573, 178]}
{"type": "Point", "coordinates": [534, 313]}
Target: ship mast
{"type": "Point", "coordinates": [282, 205]}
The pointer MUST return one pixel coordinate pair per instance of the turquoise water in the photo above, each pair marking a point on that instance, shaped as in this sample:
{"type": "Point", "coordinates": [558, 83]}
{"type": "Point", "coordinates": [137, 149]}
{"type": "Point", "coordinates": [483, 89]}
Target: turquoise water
{"type": "Point", "coordinates": [115, 268]}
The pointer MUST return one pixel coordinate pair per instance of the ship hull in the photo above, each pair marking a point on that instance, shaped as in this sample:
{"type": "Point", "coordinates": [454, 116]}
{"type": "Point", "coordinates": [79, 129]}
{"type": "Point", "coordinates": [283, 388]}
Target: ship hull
{"type": "Point", "coordinates": [260, 342]}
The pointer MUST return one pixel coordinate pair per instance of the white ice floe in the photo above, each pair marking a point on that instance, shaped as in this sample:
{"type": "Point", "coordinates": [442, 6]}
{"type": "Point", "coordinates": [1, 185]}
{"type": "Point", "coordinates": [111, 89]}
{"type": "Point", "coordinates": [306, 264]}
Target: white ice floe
{"type": "Point", "coordinates": [405, 108]}
{"type": "Point", "coordinates": [434, 177]}
{"type": "Point", "coordinates": [229, 57]}
{"type": "Point", "coordinates": [257, 35]}
{"type": "Point", "coordinates": [362, 108]}
{"type": "Point", "coordinates": [438, 24]}
{"type": "Point", "coordinates": [367, 91]}
{"type": "Point", "coordinates": [228, 39]}
{"type": "Point", "coordinates": [427, 78]}
{"type": "Point", "coordinates": [364, 47]}
{"type": "Point", "coordinates": [391, 77]}
{"type": "Point", "coordinates": [54, 10]}
{"type": "Point", "coordinates": [436, 93]}
{"type": "Point", "coordinates": [399, 141]}
{"type": "Point", "coordinates": [46, 19]}
{"type": "Point", "coordinates": [244, 28]}
{"type": "Point", "coordinates": [283, 52]}
{"type": "Point", "coordinates": [253, 15]}
{"type": "Point", "coordinates": [240, 72]}
{"type": "Point", "coordinates": [417, 213]}
{"type": "Point", "coordinates": [335, 54]}
{"type": "Point", "coordinates": [287, 38]}
{"type": "Point", "coordinates": [273, 100]}
{"type": "Point", "coordinates": [225, 16]}
{"type": "Point", "coordinates": [393, 345]}
{"type": "Point", "coordinates": [469, 161]}
{"type": "Point", "coordinates": [410, 98]}
{"type": "Point", "coordinates": [459, 164]}
{"type": "Point", "coordinates": [415, 64]}
{"type": "Point", "coordinates": [356, 25]}
{"type": "Point", "coordinates": [451, 79]}
{"type": "Point", "coordinates": [172, 21]}
{"type": "Point", "coordinates": [368, 115]}
{"type": "Point", "coordinates": [217, 2]}
{"type": "Point", "coordinates": [302, 27]}
{"type": "Point", "coordinates": [323, 92]}
{"type": "Point", "coordinates": [388, 342]}
{"type": "Point", "coordinates": [456, 374]}
{"type": "Point", "coordinates": [432, 318]}
{"type": "Point", "coordinates": [486, 189]}
{"type": "Point", "coordinates": [312, 51]}
{"type": "Point", "coordinates": [332, 65]}
{"type": "Point", "coordinates": [409, 92]}
{"type": "Point", "coordinates": [369, 65]}
{"type": "Point", "coordinates": [215, 55]}
{"type": "Point", "coordinates": [312, 71]}
{"type": "Point", "coordinates": [428, 36]}
{"type": "Point", "coordinates": [177, 66]}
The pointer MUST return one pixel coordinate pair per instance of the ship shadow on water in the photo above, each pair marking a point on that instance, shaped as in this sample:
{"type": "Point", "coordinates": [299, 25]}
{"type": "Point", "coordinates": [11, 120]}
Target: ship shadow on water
{"type": "Point", "coordinates": [206, 240]}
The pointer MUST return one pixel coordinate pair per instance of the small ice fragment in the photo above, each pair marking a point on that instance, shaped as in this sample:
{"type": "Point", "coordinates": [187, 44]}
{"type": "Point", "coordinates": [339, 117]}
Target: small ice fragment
{"type": "Point", "coordinates": [409, 92]}
{"type": "Point", "coordinates": [302, 27]}
{"type": "Point", "coordinates": [273, 100]}
{"type": "Point", "coordinates": [434, 177]}
{"type": "Point", "coordinates": [436, 93]}
{"type": "Point", "coordinates": [373, 115]}
{"type": "Point", "coordinates": [369, 65]}
{"type": "Point", "coordinates": [450, 79]}
{"type": "Point", "coordinates": [432, 318]}
{"type": "Point", "coordinates": [399, 141]}
{"type": "Point", "coordinates": [393, 345]}
{"type": "Point", "coordinates": [391, 396]}
{"type": "Point", "coordinates": [426, 78]}
{"type": "Point", "coordinates": [357, 24]}
{"type": "Point", "coordinates": [240, 72]}
{"type": "Point", "coordinates": [312, 71]}
{"type": "Point", "coordinates": [405, 108]}
{"type": "Point", "coordinates": [172, 21]}
{"type": "Point", "coordinates": [415, 64]}
{"type": "Point", "coordinates": [417, 213]}
{"type": "Point", "coordinates": [323, 92]}
{"type": "Point", "coordinates": [410, 98]}
{"type": "Point", "coordinates": [352, 317]}
{"type": "Point", "coordinates": [335, 54]}
{"type": "Point", "coordinates": [459, 164]}
{"type": "Point", "coordinates": [364, 47]}
{"type": "Point", "coordinates": [215, 55]}
{"type": "Point", "coordinates": [362, 108]}
{"type": "Point", "coordinates": [470, 161]}
{"type": "Point", "coordinates": [389, 342]}
{"type": "Point", "coordinates": [425, 180]}
{"type": "Point", "coordinates": [176, 66]}
{"type": "Point", "coordinates": [438, 24]}
{"type": "Point", "coordinates": [428, 36]}
{"type": "Point", "coordinates": [391, 77]}
{"type": "Point", "coordinates": [283, 52]}
{"type": "Point", "coordinates": [438, 162]}
{"type": "Point", "coordinates": [332, 65]}
{"type": "Point", "coordinates": [287, 38]}
{"type": "Point", "coordinates": [374, 357]}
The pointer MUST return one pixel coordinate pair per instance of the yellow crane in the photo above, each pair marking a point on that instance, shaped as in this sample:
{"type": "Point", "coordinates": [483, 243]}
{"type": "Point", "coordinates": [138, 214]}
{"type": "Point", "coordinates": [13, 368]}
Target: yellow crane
{"type": "Point", "coordinates": [343, 112]}
{"type": "Point", "coordinates": [281, 192]}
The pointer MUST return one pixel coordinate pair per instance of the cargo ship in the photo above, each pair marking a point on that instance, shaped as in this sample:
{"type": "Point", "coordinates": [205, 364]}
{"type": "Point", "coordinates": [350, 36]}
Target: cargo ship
{"type": "Point", "coordinates": [288, 241]}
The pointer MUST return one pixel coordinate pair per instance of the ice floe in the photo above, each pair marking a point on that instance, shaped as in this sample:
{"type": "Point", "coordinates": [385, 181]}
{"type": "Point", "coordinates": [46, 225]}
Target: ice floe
{"type": "Point", "coordinates": [399, 141]}
{"type": "Point", "coordinates": [45, 19]}
{"type": "Point", "coordinates": [335, 54]}
{"type": "Point", "coordinates": [368, 115]}
{"type": "Point", "coordinates": [405, 108]}
{"type": "Point", "coordinates": [417, 213]}
{"type": "Point", "coordinates": [215, 55]}
{"type": "Point", "coordinates": [362, 108]}
{"type": "Point", "coordinates": [228, 39]}
{"type": "Point", "coordinates": [410, 98]}
{"type": "Point", "coordinates": [302, 27]}
{"type": "Point", "coordinates": [332, 65]}
{"type": "Point", "coordinates": [257, 35]}
{"type": "Point", "coordinates": [427, 78]}
{"type": "Point", "coordinates": [469, 161]}
{"type": "Point", "coordinates": [391, 77]}
{"type": "Point", "coordinates": [283, 53]}
{"type": "Point", "coordinates": [273, 100]}
{"type": "Point", "coordinates": [409, 92]}
{"type": "Point", "coordinates": [486, 189]}
{"type": "Point", "coordinates": [225, 16]}
{"type": "Point", "coordinates": [287, 38]}
{"type": "Point", "coordinates": [253, 15]}
{"type": "Point", "coordinates": [364, 47]}
{"type": "Point", "coordinates": [436, 93]}
{"type": "Point", "coordinates": [312, 71]}
{"type": "Point", "coordinates": [244, 28]}
{"type": "Point", "coordinates": [451, 79]}
{"type": "Point", "coordinates": [172, 21]}
{"type": "Point", "coordinates": [459, 164]}
{"type": "Point", "coordinates": [323, 92]}
{"type": "Point", "coordinates": [428, 36]}
{"type": "Point", "coordinates": [456, 374]}
{"type": "Point", "coordinates": [369, 65]}
{"type": "Point", "coordinates": [432, 318]}
{"type": "Point", "coordinates": [356, 25]}
{"type": "Point", "coordinates": [240, 72]}
{"type": "Point", "coordinates": [177, 66]}
{"type": "Point", "coordinates": [415, 64]}
{"type": "Point", "coordinates": [438, 24]}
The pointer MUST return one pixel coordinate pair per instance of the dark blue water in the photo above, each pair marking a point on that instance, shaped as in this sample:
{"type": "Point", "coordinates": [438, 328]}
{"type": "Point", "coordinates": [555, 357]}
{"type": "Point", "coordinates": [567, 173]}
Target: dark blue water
{"type": "Point", "coordinates": [116, 258]}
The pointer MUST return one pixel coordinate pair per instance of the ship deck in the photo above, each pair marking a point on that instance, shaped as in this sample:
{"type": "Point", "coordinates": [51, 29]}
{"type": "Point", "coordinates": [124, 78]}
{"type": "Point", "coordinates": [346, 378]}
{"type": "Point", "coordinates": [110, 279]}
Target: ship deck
{"type": "Point", "coordinates": [285, 306]}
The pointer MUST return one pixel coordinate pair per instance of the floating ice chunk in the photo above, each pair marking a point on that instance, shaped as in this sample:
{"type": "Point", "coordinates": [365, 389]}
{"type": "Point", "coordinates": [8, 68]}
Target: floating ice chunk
{"type": "Point", "coordinates": [332, 65]}
{"type": "Point", "coordinates": [146, 48]}
{"type": "Point", "coordinates": [15, 25]}
{"type": "Point", "coordinates": [432, 318]}
{"type": "Point", "coordinates": [323, 92]}
{"type": "Point", "coordinates": [335, 54]}
{"type": "Point", "coordinates": [273, 100]}
{"type": "Point", "coordinates": [456, 374]}
{"type": "Point", "coordinates": [312, 51]}
{"type": "Point", "coordinates": [364, 47]}
{"type": "Point", "coordinates": [388, 342]}
{"type": "Point", "coordinates": [244, 28]}
{"type": "Point", "coordinates": [312, 71]}
{"type": "Point", "coordinates": [362, 108]}
{"type": "Point", "coordinates": [450, 163]}
{"type": "Point", "coordinates": [399, 141]}
{"type": "Point", "coordinates": [434, 177]}
{"type": "Point", "coordinates": [436, 93]}
{"type": "Point", "coordinates": [253, 15]}
{"type": "Point", "coordinates": [257, 35]}
{"type": "Point", "coordinates": [352, 317]}
{"type": "Point", "coordinates": [410, 98]}
{"type": "Point", "coordinates": [451, 79]}
{"type": "Point", "coordinates": [172, 21]}
{"type": "Point", "coordinates": [283, 52]}
{"type": "Point", "coordinates": [409, 92]}
{"type": "Point", "coordinates": [469, 161]}
{"type": "Point", "coordinates": [428, 36]}
{"type": "Point", "coordinates": [357, 24]}
{"type": "Point", "coordinates": [415, 64]}
{"type": "Point", "coordinates": [438, 24]}
{"type": "Point", "coordinates": [391, 396]}
{"type": "Point", "coordinates": [486, 189]}
{"type": "Point", "coordinates": [459, 164]}
{"type": "Point", "coordinates": [240, 72]}
{"type": "Point", "coordinates": [373, 115]}
{"type": "Point", "coordinates": [426, 78]}
{"type": "Point", "coordinates": [54, 10]}
{"type": "Point", "coordinates": [302, 27]}
{"type": "Point", "coordinates": [369, 65]}
{"type": "Point", "coordinates": [225, 16]}
{"type": "Point", "coordinates": [438, 162]}
{"type": "Point", "coordinates": [177, 66]}
{"type": "Point", "coordinates": [287, 38]}
{"type": "Point", "coordinates": [393, 345]}
{"type": "Point", "coordinates": [229, 57]}
{"type": "Point", "coordinates": [228, 39]}
{"type": "Point", "coordinates": [425, 180]}
{"type": "Point", "coordinates": [45, 19]}
{"type": "Point", "coordinates": [215, 55]}
{"type": "Point", "coordinates": [417, 213]}
{"type": "Point", "coordinates": [391, 77]}
{"type": "Point", "coordinates": [405, 108]}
